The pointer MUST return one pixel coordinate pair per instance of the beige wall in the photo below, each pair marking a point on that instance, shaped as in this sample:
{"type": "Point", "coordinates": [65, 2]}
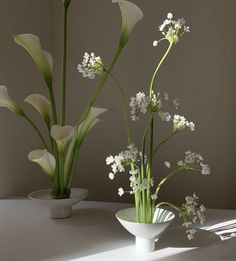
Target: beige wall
{"type": "Point", "coordinates": [199, 71]}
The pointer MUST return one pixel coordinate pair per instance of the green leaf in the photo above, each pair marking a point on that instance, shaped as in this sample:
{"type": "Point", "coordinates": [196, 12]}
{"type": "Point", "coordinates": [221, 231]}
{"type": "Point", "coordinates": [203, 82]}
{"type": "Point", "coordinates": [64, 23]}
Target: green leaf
{"type": "Point", "coordinates": [43, 59]}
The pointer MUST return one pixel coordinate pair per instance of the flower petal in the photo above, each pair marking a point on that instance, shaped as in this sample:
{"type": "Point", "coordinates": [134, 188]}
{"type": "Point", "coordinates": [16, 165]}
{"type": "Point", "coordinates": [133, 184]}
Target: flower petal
{"type": "Point", "coordinates": [7, 102]}
{"type": "Point", "coordinates": [45, 159]}
{"type": "Point", "coordinates": [41, 104]}
{"type": "Point", "coordinates": [131, 15]}
{"type": "Point", "coordinates": [43, 59]}
{"type": "Point", "coordinates": [62, 134]}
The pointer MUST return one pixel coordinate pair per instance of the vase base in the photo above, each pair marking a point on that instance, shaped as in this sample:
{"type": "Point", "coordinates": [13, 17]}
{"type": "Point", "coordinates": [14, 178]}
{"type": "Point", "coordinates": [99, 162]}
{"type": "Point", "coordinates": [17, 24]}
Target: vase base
{"type": "Point", "coordinates": [145, 245]}
{"type": "Point", "coordinates": [59, 213]}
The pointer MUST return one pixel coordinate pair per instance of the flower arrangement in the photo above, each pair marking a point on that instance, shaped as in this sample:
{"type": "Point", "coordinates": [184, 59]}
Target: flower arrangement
{"type": "Point", "coordinates": [140, 162]}
{"type": "Point", "coordinates": [58, 160]}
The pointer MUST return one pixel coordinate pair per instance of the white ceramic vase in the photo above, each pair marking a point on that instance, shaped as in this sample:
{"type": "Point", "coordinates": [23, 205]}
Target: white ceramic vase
{"type": "Point", "coordinates": [145, 234]}
{"type": "Point", "coordinates": [59, 208]}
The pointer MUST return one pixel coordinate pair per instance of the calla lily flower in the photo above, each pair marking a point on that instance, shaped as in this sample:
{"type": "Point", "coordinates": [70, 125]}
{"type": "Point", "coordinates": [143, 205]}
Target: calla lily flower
{"type": "Point", "coordinates": [131, 15]}
{"type": "Point", "coordinates": [41, 104]}
{"type": "Point", "coordinates": [62, 134]}
{"type": "Point", "coordinates": [45, 159]}
{"type": "Point", "coordinates": [7, 102]}
{"type": "Point", "coordinates": [31, 43]}
{"type": "Point", "coordinates": [91, 120]}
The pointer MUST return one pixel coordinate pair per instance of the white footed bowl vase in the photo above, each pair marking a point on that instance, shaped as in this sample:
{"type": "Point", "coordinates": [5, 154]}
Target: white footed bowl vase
{"type": "Point", "coordinates": [145, 234]}
{"type": "Point", "coordinates": [59, 208]}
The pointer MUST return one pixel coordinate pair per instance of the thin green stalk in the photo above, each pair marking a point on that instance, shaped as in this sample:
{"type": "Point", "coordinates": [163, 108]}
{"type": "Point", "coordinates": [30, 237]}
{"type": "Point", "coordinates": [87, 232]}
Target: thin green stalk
{"type": "Point", "coordinates": [36, 129]}
{"type": "Point", "coordinates": [124, 106]}
{"type": "Point", "coordinates": [61, 169]}
{"type": "Point", "coordinates": [164, 141]}
{"type": "Point", "coordinates": [164, 180]}
{"type": "Point", "coordinates": [64, 60]}
{"type": "Point", "coordinates": [53, 104]}
{"type": "Point", "coordinates": [157, 69]}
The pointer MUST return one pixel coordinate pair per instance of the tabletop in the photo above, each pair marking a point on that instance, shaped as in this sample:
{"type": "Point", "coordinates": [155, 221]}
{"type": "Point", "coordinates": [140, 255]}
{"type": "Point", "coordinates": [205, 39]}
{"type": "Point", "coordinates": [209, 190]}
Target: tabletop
{"type": "Point", "coordinates": [94, 234]}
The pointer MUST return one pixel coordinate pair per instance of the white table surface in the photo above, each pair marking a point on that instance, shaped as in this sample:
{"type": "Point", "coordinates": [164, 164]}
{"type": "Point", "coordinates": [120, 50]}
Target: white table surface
{"type": "Point", "coordinates": [94, 234]}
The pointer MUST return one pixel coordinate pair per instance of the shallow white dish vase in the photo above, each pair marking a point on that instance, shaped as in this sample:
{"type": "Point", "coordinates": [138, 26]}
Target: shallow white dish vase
{"type": "Point", "coordinates": [145, 234]}
{"type": "Point", "coordinates": [59, 208]}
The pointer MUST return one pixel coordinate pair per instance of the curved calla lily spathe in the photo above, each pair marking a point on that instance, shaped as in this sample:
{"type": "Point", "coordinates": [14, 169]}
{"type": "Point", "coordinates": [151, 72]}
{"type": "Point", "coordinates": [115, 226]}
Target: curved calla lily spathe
{"type": "Point", "coordinates": [131, 15]}
{"type": "Point", "coordinates": [7, 102]}
{"type": "Point", "coordinates": [45, 159]}
{"type": "Point", "coordinates": [41, 104]}
{"type": "Point", "coordinates": [43, 59]}
{"type": "Point", "coordinates": [62, 134]}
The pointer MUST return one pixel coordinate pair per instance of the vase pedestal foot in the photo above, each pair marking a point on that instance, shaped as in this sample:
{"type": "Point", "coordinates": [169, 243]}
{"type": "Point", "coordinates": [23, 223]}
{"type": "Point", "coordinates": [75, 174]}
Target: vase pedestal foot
{"type": "Point", "coordinates": [145, 245]}
{"type": "Point", "coordinates": [60, 212]}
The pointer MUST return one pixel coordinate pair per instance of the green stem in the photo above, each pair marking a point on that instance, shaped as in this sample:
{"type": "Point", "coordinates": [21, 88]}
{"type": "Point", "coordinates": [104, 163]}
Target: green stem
{"type": "Point", "coordinates": [61, 168]}
{"type": "Point", "coordinates": [164, 141]}
{"type": "Point", "coordinates": [164, 180]}
{"type": "Point", "coordinates": [157, 69]}
{"type": "Point", "coordinates": [36, 129]}
{"type": "Point", "coordinates": [124, 106]}
{"type": "Point", "coordinates": [64, 60]}
{"type": "Point", "coordinates": [53, 104]}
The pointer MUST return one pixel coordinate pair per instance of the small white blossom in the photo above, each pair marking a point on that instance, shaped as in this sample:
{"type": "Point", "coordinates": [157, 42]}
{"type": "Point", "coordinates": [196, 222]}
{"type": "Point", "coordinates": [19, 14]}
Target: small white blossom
{"type": "Point", "coordinates": [205, 169]}
{"type": "Point", "coordinates": [194, 161]}
{"type": "Point", "coordinates": [133, 171]}
{"type": "Point", "coordinates": [121, 192]}
{"type": "Point", "coordinates": [154, 197]}
{"type": "Point", "coordinates": [191, 233]}
{"type": "Point", "coordinates": [167, 164]}
{"type": "Point", "coordinates": [180, 123]}
{"type": "Point", "coordinates": [165, 116]}
{"type": "Point", "coordinates": [166, 96]}
{"type": "Point", "coordinates": [172, 30]}
{"type": "Point", "coordinates": [138, 104]}
{"type": "Point", "coordinates": [169, 15]}
{"type": "Point", "coordinates": [132, 179]}
{"type": "Point", "coordinates": [176, 103]}
{"type": "Point", "coordinates": [109, 160]}
{"type": "Point", "coordinates": [111, 175]}
{"type": "Point", "coordinates": [91, 66]}
{"type": "Point", "coordinates": [155, 43]}
{"type": "Point", "coordinates": [191, 213]}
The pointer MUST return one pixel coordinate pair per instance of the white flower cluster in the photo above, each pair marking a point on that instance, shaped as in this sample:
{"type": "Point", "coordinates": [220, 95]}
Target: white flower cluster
{"type": "Point", "coordinates": [121, 160]}
{"type": "Point", "coordinates": [141, 103]}
{"type": "Point", "coordinates": [192, 213]}
{"type": "Point", "coordinates": [172, 30]}
{"type": "Point", "coordinates": [194, 161]}
{"type": "Point", "coordinates": [138, 104]}
{"type": "Point", "coordinates": [180, 123]}
{"type": "Point", "coordinates": [91, 66]}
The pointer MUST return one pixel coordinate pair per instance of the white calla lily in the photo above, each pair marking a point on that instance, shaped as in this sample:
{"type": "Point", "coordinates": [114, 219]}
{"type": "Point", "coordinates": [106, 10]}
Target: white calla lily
{"type": "Point", "coordinates": [62, 134]}
{"type": "Point", "coordinates": [41, 104]}
{"type": "Point", "coordinates": [43, 59]}
{"type": "Point", "coordinates": [45, 159]}
{"type": "Point", "coordinates": [7, 102]}
{"type": "Point", "coordinates": [131, 15]}
{"type": "Point", "coordinates": [91, 119]}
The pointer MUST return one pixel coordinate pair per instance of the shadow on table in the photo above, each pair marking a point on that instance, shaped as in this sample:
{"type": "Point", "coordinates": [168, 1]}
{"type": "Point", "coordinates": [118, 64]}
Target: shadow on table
{"type": "Point", "coordinates": [176, 237]}
{"type": "Point", "coordinates": [225, 250]}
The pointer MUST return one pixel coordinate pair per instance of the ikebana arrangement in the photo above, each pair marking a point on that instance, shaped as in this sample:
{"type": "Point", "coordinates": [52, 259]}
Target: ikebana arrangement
{"type": "Point", "coordinates": [58, 159]}
{"type": "Point", "coordinates": [60, 150]}
{"type": "Point", "coordinates": [143, 185]}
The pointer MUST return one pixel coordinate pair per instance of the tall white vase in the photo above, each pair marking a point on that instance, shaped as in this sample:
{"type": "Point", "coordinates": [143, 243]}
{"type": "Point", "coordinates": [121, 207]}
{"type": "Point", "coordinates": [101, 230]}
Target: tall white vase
{"type": "Point", "coordinates": [145, 234]}
{"type": "Point", "coordinates": [59, 208]}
